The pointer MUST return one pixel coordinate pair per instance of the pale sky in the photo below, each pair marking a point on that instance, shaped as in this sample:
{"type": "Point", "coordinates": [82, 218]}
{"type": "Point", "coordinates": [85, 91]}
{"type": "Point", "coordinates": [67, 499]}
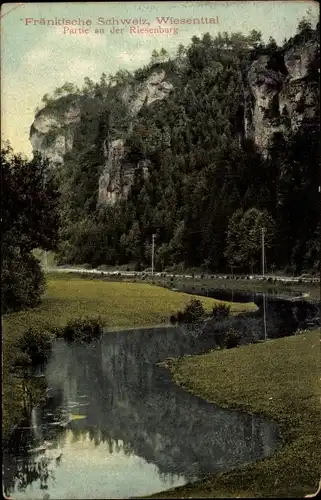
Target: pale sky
{"type": "Point", "coordinates": [36, 59]}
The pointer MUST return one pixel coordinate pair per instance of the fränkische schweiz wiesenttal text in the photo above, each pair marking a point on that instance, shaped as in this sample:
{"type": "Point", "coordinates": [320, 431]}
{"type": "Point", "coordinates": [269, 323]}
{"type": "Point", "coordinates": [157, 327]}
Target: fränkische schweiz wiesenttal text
{"type": "Point", "coordinates": [160, 25]}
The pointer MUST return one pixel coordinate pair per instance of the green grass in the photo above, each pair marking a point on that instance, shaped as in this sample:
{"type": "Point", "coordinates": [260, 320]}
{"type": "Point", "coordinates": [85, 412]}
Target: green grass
{"type": "Point", "coordinates": [279, 379]}
{"type": "Point", "coordinates": [119, 304]}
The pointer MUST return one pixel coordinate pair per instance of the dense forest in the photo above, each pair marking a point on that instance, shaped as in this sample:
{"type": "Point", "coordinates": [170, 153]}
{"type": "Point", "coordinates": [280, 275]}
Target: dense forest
{"type": "Point", "coordinates": [210, 189]}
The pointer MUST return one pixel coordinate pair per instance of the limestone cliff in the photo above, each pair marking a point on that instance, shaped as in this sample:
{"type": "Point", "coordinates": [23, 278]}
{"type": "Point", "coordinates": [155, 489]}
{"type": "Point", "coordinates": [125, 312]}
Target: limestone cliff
{"type": "Point", "coordinates": [280, 94]}
{"type": "Point", "coordinates": [118, 173]}
{"type": "Point", "coordinates": [52, 131]}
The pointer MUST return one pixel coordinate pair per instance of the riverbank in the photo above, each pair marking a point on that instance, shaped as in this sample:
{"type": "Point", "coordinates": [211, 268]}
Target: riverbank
{"type": "Point", "coordinates": [118, 304]}
{"type": "Point", "coordinates": [279, 379]}
{"type": "Point", "coordinates": [201, 283]}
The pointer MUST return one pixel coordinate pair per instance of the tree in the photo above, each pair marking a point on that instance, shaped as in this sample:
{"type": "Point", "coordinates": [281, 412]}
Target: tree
{"type": "Point", "coordinates": [30, 219]}
{"type": "Point", "coordinates": [244, 236]}
{"type": "Point", "coordinates": [181, 51]}
{"type": "Point", "coordinates": [89, 85]}
{"type": "Point", "coordinates": [305, 30]}
{"type": "Point", "coordinates": [45, 99]}
{"type": "Point", "coordinates": [163, 55]}
{"type": "Point", "coordinates": [255, 38]}
{"type": "Point", "coordinates": [69, 88]}
{"type": "Point", "coordinates": [155, 56]}
{"type": "Point", "coordinates": [232, 251]}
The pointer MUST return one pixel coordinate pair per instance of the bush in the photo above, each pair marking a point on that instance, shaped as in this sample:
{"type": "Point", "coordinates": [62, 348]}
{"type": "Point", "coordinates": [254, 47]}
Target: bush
{"type": "Point", "coordinates": [232, 338]}
{"type": "Point", "coordinates": [36, 344]}
{"type": "Point", "coordinates": [21, 360]}
{"type": "Point", "coordinates": [194, 311]}
{"type": "Point", "coordinates": [22, 280]}
{"type": "Point", "coordinates": [173, 319]}
{"type": "Point", "coordinates": [180, 317]}
{"type": "Point", "coordinates": [83, 329]}
{"type": "Point", "coordinates": [221, 311]}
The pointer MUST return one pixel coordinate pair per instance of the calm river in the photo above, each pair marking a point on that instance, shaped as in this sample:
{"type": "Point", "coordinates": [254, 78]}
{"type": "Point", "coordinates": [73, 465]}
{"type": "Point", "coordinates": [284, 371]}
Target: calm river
{"type": "Point", "coordinates": [115, 426]}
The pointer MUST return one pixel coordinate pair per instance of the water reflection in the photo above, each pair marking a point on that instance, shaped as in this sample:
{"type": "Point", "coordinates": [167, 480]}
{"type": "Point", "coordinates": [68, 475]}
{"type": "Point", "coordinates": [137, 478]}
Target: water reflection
{"type": "Point", "coordinates": [115, 426]}
{"type": "Point", "coordinates": [277, 315]}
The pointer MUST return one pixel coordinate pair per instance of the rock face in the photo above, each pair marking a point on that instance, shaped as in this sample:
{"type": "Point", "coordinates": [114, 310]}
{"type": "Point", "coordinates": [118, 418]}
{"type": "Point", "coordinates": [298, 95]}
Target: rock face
{"type": "Point", "coordinates": [279, 96]}
{"type": "Point", "coordinates": [118, 174]}
{"type": "Point", "coordinates": [52, 132]}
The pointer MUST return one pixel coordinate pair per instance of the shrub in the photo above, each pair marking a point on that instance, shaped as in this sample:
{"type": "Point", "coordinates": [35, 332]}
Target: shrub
{"type": "Point", "coordinates": [22, 280]}
{"type": "Point", "coordinates": [21, 360]}
{"type": "Point", "coordinates": [232, 338]}
{"type": "Point", "coordinates": [36, 344]}
{"type": "Point", "coordinates": [83, 329]}
{"type": "Point", "coordinates": [180, 317]}
{"type": "Point", "coordinates": [194, 311]}
{"type": "Point", "coordinates": [220, 311]}
{"type": "Point", "coordinates": [173, 319]}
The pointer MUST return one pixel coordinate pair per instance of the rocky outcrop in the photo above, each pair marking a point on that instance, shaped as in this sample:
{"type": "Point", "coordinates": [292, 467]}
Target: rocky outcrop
{"type": "Point", "coordinates": [280, 94]}
{"type": "Point", "coordinates": [118, 174]}
{"type": "Point", "coordinates": [298, 95]}
{"type": "Point", "coordinates": [52, 131]}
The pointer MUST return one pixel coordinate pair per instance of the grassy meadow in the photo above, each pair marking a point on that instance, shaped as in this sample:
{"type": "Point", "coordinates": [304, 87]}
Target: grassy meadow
{"type": "Point", "coordinates": [119, 304]}
{"type": "Point", "coordinates": [279, 379]}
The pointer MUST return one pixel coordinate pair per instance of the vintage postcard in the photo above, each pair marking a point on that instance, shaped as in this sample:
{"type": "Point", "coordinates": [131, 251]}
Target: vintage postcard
{"type": "Point", "coordinates": [160, 250]}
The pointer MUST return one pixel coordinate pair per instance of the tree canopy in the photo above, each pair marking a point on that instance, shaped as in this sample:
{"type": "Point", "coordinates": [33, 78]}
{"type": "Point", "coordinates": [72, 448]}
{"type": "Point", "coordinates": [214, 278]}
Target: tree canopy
{"type": "Point", "coordinates": [30, 219]}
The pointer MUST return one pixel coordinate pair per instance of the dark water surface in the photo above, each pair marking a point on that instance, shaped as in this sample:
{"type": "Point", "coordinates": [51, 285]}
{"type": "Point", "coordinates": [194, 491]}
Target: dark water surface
{"type": "Point", "coordinates": [136, 432]}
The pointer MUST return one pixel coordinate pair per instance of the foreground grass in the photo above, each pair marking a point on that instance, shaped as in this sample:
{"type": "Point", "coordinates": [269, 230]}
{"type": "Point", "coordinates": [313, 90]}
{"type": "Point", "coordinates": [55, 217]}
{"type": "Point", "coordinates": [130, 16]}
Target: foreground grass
{"type": "Point", "coordinates": [119, 304]}
{"type": "Point", "coordinates": [279, 379]}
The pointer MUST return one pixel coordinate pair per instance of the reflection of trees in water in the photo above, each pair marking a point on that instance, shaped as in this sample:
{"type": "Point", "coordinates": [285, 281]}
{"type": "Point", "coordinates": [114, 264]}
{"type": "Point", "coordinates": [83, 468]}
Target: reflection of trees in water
{"type": "Point", "coordinates": [22, 466]}
{"type": "Point", "coordinates": [78, 434]}
{"type": "Point", "coordinates": [101, 436]}
{"type": "Point", "coordinates": [134, 409]}
{"type": "Point", "coordinates": [21, 473]}
{"type": "Point", "coordinates": [166, 426]}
